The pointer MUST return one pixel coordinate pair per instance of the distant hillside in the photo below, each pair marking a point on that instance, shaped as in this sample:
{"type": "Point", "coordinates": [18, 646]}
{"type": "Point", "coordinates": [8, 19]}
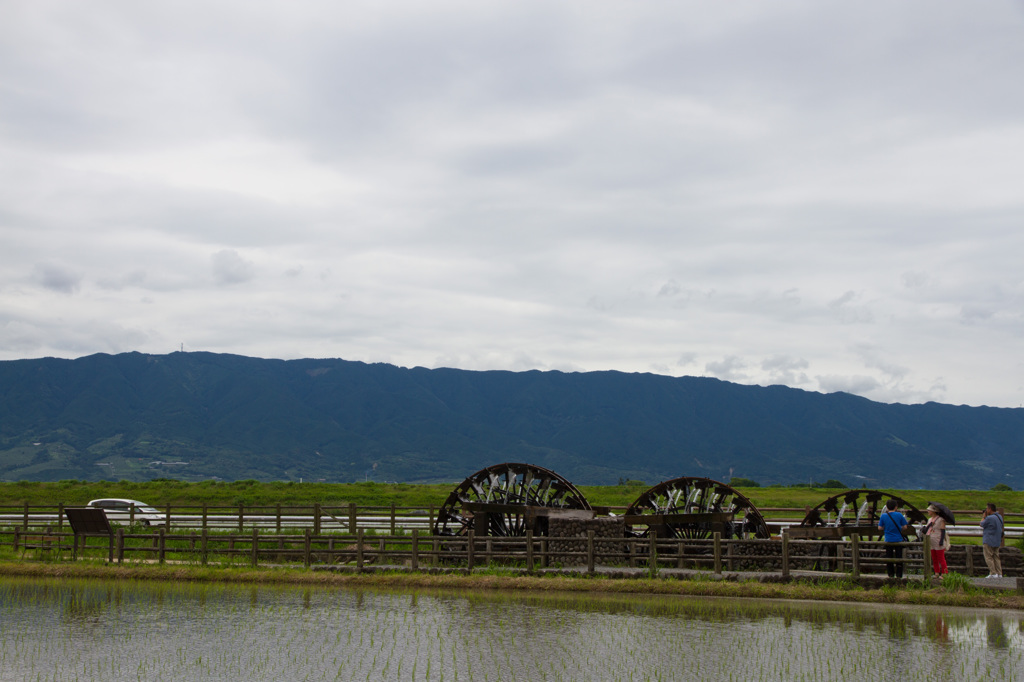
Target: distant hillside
{"type": "Point", "coordinates": [200, 415]}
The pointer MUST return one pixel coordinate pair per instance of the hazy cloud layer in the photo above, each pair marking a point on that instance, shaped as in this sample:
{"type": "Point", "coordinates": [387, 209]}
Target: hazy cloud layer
{"type": "Point", "coordinates": [816, 194]}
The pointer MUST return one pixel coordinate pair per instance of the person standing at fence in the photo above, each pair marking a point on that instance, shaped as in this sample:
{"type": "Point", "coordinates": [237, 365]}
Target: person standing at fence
{"type": "Point", "coordinates": [892, 523]}
{"type": "Point", "coordinates": [938, 540]}
{"type": "Point", "coordinates": [991, 539]}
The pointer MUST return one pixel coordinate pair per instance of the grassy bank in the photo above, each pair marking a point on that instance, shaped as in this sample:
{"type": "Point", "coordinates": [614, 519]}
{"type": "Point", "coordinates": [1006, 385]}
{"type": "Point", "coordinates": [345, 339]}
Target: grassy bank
{"type": "Point", "coordinates": [958, 593]}
{"type": "Point", "coordinates": [223, 493]}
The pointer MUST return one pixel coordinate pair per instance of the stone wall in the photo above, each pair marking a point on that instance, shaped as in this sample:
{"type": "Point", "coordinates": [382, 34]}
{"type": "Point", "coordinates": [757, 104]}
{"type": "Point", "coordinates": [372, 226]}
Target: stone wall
{"type": "Point", "coordinates": [961, 558]}
{"type": "Point", "coordinates": [766, 555]}
{"type": "Point", "coordinates": [753, 554]}
{"type": "Point", "coordinates": [570, 535]}
{"type": "Point", "coordinates": [567, 546]}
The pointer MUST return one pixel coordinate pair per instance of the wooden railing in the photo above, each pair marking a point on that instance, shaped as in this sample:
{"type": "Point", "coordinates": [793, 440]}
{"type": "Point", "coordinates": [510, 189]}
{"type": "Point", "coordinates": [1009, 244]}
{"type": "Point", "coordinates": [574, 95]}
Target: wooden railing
{"type": "Point", "coordinates": [417, 551]}
{"type": "Point", "coordinates": [318, 518]}
{"type": "Point", "coordinates": [351, 518]}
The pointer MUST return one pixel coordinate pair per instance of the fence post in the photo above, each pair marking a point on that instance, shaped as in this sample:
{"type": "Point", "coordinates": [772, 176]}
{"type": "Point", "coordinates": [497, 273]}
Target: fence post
{"type": "Point", "coordinates": [855, 554]}
{"type": "Point", "coordinates": [277, 524]}
{"type": "Point", "coordinates": [316, 518]}
{"type": "Point", "coordinates": [681, 553]}
{"type": "Point", "coordinates": [652, 556]}
{"type": "Point", "coordinates": [255, 546]}
{"type": "Point", "coordinates": [120, 546]}
{"type": "Point", "coordinates": [414, 562]}
{"type": "Point", "coordinates": [17, 534]}
{"type": "Point", "coordinates": [204, 516]}
{"type": "Point", "coordinates": [785, 553]}
{"type": "Point", "coordinates": [430, 518]}
{"type": "Point", "coordinates": [469, 550]}
{"type": "Point", "coordinates": [590, 551]}
{"type": "Point", "coordinates": [969, 558]}
{"type": "Point", "coordinates": [529, 551]}
{"type": "Point", "coordinates": [392, 518]}
{"type": "Point", "coordinates": [204, 543]}
{"type": "Point", "coordinates": [359, 548]}
{"type": "Point", "coordinates": [167, 517]}
{"type": "Point", "coordinates": [26, 517]}
{"type": "Point", "coordinates": [718, 553]}
{"type": "Point", "coordinates": [60, 517]}
{"type": "Point", "coordinates": [241, 516]}
{"type": "Point", "coordinates": [307, 547]}
{"type": "Point", "coordinates": [161, 545]}
{"type": "Point", "coordinates": [352, 524]}
{"type": "Point", "coordinates": [926, 552]}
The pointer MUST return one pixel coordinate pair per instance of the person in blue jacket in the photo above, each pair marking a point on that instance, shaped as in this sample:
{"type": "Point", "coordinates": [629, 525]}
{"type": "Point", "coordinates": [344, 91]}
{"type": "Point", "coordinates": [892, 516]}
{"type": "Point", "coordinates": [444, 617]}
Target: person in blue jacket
{"type": "Point", "coordinates": [892, 523]}
{"type": "Point", "coordinates": [991, 539]}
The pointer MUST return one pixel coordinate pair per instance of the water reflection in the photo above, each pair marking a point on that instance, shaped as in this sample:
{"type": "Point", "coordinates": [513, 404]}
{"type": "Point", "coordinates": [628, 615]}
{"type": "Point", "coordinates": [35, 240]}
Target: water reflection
{"type": "Point", "coordinates": [897, 624]}
{"type": "Point", "coordinates": [995, 632]}
{"type": "Point", "coordinates": [114, 631]}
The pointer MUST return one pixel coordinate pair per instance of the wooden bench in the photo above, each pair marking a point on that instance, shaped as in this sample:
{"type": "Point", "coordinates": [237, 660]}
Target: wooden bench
{"type": "Point", "coordinates": [89, 522]}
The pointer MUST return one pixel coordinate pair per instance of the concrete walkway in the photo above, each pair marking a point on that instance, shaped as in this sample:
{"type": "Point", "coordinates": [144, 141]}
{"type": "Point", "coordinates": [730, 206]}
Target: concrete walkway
{"type": "Point", "coordinates": [626, 573]}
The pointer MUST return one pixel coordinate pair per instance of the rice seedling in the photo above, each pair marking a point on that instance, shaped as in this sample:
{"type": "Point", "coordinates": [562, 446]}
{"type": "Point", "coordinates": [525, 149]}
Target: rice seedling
{"type": "Point", "coordinates": [955, 582]}
{"type": "Point", "coordinates": [84, 629]}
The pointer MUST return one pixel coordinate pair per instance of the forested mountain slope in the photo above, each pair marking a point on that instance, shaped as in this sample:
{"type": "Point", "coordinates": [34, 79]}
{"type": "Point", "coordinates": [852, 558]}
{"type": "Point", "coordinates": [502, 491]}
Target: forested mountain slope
{"type": "Point", "coordinates": [198, 415]}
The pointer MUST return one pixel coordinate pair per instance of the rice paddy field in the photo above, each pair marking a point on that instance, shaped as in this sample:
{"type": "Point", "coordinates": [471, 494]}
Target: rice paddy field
{"type": "Point", "coordinates": [89, 630]}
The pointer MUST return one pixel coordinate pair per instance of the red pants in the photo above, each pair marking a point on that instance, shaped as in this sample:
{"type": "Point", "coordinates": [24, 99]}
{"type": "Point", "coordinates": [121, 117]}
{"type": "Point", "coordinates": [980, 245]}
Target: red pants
{"type": "Point", "coordinates": [939, 561]}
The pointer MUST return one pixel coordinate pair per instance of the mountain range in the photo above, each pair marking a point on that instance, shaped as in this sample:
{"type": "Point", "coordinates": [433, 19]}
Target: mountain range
{"type": "Point", "coordinates": [196, 416]}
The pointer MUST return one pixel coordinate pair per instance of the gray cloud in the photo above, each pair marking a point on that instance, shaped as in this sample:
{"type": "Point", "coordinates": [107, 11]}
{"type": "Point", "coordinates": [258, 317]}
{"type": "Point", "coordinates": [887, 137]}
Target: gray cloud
{"type": "Point", "coordinates": [731, 368]}
{"type": "Point", "coordinates": [57, 277]}
{"type": "Point", "coordinates": [686, 359]}
{"type": "Point", "coordinates": [786, 370]}
{"type": "Point", "coordinates": [807, 194]}
{"type": "Point", "coordinates": [971, 313]}
{"type": "Point", "coordinates": [231, 268]}
{"type": "Point", "coordinates": [857, 384]}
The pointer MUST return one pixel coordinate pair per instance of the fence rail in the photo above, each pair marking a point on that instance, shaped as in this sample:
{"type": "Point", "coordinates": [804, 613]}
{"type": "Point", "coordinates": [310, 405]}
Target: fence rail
{"type": "Point", "coordinates": [416, 551]}
{"type": "Point", "coordinates": [351, 518]}
{"type": "Point", "coordinates": [278, 517]}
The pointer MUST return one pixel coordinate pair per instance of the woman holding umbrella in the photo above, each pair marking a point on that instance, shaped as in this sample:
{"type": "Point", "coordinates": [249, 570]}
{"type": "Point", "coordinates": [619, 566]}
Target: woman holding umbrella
{"type": "Point", "coordinates": [938, 539]}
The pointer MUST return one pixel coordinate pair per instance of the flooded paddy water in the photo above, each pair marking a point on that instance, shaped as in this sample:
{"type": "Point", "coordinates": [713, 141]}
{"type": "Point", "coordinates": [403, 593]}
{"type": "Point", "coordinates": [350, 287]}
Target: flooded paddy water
{"type": "Point", "coordinates": [92, 630]}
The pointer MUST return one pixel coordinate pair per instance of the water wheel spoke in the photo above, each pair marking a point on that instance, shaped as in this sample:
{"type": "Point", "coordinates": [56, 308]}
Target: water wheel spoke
{"type": "Point", "coordinates": [504, 485]}
{"type": "Point", "coordinates": [856, 511]}
{"type": "Point", "coordinates": [681, 497]}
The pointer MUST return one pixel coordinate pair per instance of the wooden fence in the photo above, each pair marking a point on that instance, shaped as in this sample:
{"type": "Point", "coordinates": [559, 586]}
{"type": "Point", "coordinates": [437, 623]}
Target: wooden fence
{"type": "Point", "coordinates": [419, 551]}
{"type": "Point", "coordinates": [351, 518]}
{"type": "Point", "coordinates": [318, 518]}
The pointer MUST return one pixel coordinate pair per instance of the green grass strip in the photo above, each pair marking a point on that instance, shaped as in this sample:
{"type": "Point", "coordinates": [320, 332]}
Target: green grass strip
{"type": "Point", "coordinates": [704, 586]}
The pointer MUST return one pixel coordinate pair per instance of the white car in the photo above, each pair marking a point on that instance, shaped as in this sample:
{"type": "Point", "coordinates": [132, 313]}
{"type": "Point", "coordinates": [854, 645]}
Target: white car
{"type": "Point", "coordinates": [120, 511]}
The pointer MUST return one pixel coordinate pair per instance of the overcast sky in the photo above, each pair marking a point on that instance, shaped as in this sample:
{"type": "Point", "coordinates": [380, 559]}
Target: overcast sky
{"type": "Point", "coordinates": [826, 195]}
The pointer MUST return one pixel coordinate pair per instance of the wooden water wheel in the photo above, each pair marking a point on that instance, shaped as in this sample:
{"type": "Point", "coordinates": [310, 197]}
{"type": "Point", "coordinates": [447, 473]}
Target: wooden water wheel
{"type": "Point", "coordinates": [506, 500]}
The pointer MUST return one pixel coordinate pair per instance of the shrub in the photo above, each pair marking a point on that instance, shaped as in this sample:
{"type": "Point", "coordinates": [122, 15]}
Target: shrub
{"type": "Point", "coordinates": [830, 483]}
